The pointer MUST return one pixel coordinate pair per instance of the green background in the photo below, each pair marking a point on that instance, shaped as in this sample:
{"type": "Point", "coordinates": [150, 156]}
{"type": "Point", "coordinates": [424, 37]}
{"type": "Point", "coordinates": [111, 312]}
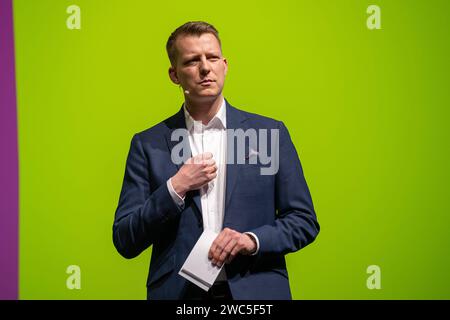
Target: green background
{"type": "Point", "coordinates": [366, 109]}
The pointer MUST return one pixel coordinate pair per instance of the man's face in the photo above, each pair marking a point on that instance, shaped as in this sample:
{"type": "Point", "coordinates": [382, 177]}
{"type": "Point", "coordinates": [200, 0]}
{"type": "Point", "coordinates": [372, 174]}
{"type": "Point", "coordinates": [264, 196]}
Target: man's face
{"type": "Point", "coordinates": [199, 67]}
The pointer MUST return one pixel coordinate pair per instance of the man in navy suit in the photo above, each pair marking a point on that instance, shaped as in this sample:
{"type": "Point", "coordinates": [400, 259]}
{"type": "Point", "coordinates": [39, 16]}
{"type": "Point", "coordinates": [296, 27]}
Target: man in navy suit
{"type": "Point", "coordinates": [259, 212]}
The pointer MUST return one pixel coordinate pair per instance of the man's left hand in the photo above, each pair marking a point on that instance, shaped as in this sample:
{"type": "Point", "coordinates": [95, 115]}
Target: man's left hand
{"type": "Point", "coordinates": [228, 244]}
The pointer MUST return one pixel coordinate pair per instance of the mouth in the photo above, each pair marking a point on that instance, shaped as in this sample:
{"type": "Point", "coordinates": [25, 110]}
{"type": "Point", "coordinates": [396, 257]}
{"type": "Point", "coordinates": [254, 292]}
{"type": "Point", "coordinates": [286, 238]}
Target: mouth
{"type": "Point", "coordinates": [206, 81]}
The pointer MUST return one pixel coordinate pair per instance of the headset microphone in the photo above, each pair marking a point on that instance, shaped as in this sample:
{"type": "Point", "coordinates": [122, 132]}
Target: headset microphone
{"type": "Point", "coordinates": [186, 91]}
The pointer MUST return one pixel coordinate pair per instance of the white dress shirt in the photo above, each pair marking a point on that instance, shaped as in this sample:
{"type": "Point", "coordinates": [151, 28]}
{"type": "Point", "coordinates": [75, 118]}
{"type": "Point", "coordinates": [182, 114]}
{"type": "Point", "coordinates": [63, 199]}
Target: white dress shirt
{"type": "Point", "coordinates": [211, 137]}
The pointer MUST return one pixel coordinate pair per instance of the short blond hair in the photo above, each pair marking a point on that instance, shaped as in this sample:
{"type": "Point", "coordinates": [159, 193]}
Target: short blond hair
{"type": "Point", "coordinates": [192, 28]}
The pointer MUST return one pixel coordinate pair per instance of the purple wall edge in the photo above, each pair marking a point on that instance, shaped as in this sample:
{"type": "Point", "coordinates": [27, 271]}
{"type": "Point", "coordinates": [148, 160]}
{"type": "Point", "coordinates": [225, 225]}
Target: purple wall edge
{"type": "Point", "coordinates": [9, 193]}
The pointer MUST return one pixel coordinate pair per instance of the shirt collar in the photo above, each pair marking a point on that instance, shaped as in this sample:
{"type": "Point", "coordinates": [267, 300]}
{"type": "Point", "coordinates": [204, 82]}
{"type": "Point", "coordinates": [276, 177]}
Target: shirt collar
{"type": "Point", "coordinates": [218, 121]}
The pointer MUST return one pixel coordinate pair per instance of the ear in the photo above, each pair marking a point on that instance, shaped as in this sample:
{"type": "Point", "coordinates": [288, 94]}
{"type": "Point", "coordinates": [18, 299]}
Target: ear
{"type": "Point", "coordinates": [173, 75]}
{"type": "Point", "coordinates": [226, 65]}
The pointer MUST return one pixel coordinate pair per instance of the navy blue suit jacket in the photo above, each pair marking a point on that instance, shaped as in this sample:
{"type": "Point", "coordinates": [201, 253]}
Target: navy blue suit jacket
{"type": "Point", "coordinates": [277, 208]}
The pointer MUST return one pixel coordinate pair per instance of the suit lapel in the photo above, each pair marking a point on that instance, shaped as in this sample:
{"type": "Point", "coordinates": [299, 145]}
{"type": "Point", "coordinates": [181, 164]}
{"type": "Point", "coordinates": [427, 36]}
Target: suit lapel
{"type": "Point", "coordinates": [235, 120]}
{"type": "Point", "coordinates": [175, 122]}
{"type": "Point", "coordinates": [178, 121]}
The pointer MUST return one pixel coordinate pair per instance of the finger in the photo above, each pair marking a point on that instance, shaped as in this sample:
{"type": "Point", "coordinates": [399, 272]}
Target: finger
{"type": "Point", "coordinates": [220, 253]}
{"type": "Point", "coordinates": [218, 245]}
{"type": "Point", "coordinates": [211, 176]}
{"type": "Point", "coordinates": [206, 155]}
{"type": "Point", "coordinates": [201, 157]}
{"type": "Point", "coordinates": [214, 245]}
{"type": "Point", "coordinates": [237, 248]}
{"type": "Point", "coordinates": [225, 255]}
{"type": "Point", "coordinates": [209, 162]}
{"type": "Point", "coordinates": [198, 159]}
{"type": "Point", "coordinates": [210, 170]}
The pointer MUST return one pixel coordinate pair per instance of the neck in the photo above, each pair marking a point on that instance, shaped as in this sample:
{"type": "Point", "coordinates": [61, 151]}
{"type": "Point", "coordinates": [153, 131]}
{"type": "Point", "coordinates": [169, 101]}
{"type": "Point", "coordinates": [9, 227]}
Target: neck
{"type": "Point", "coordinates": [205, 110]}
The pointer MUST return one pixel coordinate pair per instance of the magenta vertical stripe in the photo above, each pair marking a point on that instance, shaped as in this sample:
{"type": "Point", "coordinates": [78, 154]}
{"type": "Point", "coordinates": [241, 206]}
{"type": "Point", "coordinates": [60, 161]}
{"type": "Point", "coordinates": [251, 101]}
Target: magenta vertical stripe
{"type": "Point", "coordinates": [9, 215]}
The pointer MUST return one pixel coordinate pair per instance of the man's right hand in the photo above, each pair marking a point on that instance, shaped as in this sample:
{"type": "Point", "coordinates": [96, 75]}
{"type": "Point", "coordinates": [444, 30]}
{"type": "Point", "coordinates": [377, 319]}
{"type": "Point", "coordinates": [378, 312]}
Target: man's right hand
{"type": "Point", "coordinates": [195, 172]}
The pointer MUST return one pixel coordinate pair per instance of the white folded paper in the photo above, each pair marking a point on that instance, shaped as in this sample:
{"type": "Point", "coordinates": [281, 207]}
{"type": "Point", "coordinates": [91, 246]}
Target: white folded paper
{"type": "Point", "coordinates": [198, 268]}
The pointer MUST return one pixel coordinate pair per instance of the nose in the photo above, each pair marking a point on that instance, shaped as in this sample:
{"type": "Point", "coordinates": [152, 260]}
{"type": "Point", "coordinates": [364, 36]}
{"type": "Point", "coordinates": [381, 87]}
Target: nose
{"type": "Point", "coordinates": [205, 68]}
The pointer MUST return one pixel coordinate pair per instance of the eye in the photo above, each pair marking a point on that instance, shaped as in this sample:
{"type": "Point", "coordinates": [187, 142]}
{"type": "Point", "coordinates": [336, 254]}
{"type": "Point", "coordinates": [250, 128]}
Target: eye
{"type": "Point", "coordinates": [190, 62]}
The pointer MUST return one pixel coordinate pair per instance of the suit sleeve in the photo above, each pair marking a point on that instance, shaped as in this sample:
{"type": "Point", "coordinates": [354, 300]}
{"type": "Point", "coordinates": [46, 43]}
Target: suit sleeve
{"type": "Point", "coordinates": [141, 214]}
{"type": "Point", "coordinates": [296, 223]}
